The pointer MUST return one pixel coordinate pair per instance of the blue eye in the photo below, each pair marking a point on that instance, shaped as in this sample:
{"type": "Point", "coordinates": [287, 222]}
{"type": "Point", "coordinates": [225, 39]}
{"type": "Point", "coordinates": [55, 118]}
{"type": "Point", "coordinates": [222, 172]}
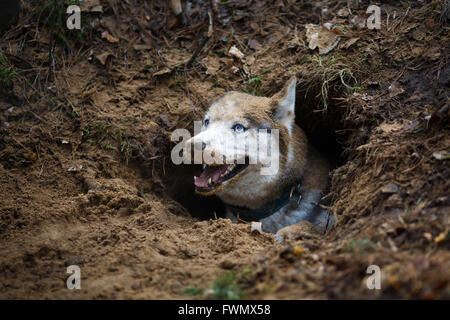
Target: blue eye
{"type": "Point", "coordinates": [206, 122]}
{"type": "Point", "coordinates": [238, 128]}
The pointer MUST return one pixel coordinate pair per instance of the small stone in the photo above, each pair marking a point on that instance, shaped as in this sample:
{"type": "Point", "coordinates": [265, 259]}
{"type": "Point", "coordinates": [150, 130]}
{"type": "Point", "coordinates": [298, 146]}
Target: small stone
{"type": "Point", "coordinates": [390, 188]}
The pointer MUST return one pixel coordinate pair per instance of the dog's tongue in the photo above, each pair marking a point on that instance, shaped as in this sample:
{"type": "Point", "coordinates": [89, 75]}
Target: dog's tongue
{"type": "Point", "coordinates": [212, 172]}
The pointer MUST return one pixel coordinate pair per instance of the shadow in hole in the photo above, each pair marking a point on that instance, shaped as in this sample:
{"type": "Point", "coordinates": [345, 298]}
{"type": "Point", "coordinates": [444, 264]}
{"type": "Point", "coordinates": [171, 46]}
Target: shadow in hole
{"type": "Point", "coordinates": [320, 127]}
{"type": "Point", "coordinates": [180, 187]}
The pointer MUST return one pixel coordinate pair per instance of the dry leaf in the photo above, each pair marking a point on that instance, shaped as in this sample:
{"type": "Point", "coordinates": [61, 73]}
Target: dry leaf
{"type": "Point", "coordinates": [427, 236]}
{"type": "Point", "coordinates": [350, 42]}
{"type": "Point", "coordinates": [212, 65]}
{"type": "Point", "coordinates": [359, 22]}
{"type": "Point", "coordinates": [390, 127]}
{"type": "Point", "coordinates": [110, 38]}
{"type": "Point", "coordinates": [91, 6]}
{"type": "Point", "coordinates": [441, 155]}
{"type": "Point", "coordinates": [234, 69]}
{"type": "Point", "coordinates": [254, 44]}
{"type": "Point", "coordinates": [250, 60]}
{"type": "Point", "coordinates": [103, 57]}
{"type": "Point", "coordinates": [321, 37]}
{"type": "Point", "coordinates": [411, 125]}
{"type": "Point", "coordinates": [235, 52]}
{"type": "Point", "coordinates": [164, 70]}
{"type": "Point", "coordinates": [395, 90]}
{"type": "Point", "coordinates": [98, 9]}
{"type": "Point", "coordinates": [139, 47]}
{"type": "Point", "coordinates": [441, 237]}
{"type": "Point", "coordinates": [343, 12]}
{"type": "Point", "coordinates": [228, 62]}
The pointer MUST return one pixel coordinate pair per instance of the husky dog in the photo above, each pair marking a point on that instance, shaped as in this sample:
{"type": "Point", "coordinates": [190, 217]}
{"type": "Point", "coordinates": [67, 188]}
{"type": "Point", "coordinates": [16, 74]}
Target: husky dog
{"type": "Point", "coordinates": [280, 200]}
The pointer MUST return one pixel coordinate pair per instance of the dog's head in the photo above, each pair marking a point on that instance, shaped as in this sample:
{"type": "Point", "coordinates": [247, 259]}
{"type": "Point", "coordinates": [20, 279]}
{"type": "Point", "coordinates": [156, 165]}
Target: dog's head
{"type": "Point", "coordinates": [233, 126]}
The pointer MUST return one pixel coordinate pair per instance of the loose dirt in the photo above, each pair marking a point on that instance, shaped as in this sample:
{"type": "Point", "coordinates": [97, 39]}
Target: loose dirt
{"type": "Point", "coordinates": [86, 177]}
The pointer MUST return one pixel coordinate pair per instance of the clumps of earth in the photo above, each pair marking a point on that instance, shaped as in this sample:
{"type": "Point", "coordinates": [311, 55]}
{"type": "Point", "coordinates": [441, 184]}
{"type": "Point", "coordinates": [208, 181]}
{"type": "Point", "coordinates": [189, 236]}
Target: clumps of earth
{"type": "Point", "coordinates": [85, 142]}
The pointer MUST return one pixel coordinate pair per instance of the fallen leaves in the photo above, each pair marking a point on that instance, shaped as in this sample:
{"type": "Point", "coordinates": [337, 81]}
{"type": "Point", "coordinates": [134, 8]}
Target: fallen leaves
{"type": "Point", "coordinates": [254, 44]}
{"type": "Point", "coordinates": [321, 37]}
{"type": "Point", "coordinates": [111, 39]}
{"type": "Point", "coordinates": [390, 127]}
{"type": "Point", "coordinates": [343, 12]}
{"type": "Point", "coordinates": [427, 236]}
{"type": "Point", "coordinates": [441, 155]}
{"type": "Point", "coordinates": [103, 57]}
{"type": "Point", "coordinates": [235, 52]}
{"type": "Point", "coordinates": [350, 42]}
{"type": "Point", "coordinates": [212, 65]}
{"type": "Point", "coordinates": [395, 89]}
{"type": "Point", "coordinates": [91, 6]}
{"type": "Point", "coordinates": [441, 237]}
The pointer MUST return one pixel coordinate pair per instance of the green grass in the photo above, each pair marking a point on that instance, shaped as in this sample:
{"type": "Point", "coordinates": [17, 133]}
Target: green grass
{"type": "Point", "coordinates": [253, 86]}
{"type": "Point", "coordinates": [225, 287]}
{"type": "Point", "coordinates": [7, 74]}
{"type": "Point", "coordinates": [107, 137]}
{"type": "Point", "coordinates": [192, 291]}
{"type": "Point", "coordinates": [65, 37]}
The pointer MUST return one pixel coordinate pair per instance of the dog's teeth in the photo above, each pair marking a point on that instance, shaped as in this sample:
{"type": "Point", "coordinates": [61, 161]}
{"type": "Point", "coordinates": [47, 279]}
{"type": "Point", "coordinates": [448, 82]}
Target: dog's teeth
{"type": "Point", "coordinates": [195, 178]}
{"type": "Point", "coordinates": [209, 181]}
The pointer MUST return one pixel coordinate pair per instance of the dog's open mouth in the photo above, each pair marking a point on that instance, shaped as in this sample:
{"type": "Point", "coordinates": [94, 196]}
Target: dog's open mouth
{"type": "Point", "coordinates": [213, 176]}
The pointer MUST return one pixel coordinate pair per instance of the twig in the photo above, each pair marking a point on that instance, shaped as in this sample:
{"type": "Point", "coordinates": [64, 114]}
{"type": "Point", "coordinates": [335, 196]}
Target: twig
{"type": "Point", "coordinates": [239, 220]}
{"type": "Point", "coordinates": [51, 58]}
{"type": "Point", "coordinates": [204, 41]}
{"type": "Point", "coordinates": [187, 65]}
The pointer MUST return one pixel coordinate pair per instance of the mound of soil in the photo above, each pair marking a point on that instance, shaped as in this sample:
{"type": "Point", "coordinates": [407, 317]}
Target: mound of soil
{"type": "Point", "coordinates": [86, 118]}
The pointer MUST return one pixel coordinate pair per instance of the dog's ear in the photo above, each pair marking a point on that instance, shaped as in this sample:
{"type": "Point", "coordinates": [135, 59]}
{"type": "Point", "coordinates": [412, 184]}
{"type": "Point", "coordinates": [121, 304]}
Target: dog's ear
{"type": "Point", "coordinates": [283, 104]}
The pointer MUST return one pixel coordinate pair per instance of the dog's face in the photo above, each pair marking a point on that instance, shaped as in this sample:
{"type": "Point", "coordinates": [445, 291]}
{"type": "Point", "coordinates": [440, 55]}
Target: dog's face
{"type": "Point", "coordinates": [231, 129]}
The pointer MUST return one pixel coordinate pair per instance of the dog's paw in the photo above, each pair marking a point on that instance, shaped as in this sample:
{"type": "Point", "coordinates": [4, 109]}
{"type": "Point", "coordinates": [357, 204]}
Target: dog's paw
{"type": "Point", "coordinates": [302, 229]}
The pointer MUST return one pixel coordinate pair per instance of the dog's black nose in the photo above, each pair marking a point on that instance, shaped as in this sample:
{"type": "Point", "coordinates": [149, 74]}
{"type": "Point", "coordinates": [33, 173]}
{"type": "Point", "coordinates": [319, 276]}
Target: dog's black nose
{"type": "Point", "coordinates": [203, 146]}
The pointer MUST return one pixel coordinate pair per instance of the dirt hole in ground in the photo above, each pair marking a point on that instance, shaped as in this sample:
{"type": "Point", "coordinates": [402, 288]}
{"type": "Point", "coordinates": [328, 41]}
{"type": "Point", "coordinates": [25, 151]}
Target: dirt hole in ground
{"type": "Point", "coordinates": [85, 170]}
{"type": "Point", "coordinates": [321, 127]}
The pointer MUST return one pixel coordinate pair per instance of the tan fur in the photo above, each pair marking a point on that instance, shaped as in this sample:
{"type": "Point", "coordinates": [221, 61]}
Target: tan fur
{"type": "Point", "coordinates": [298, 161]}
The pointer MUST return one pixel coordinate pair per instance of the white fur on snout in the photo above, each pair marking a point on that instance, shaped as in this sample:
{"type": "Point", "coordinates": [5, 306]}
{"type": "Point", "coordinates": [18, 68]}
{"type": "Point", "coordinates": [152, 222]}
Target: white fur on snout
{"type": "Point", "coordinates": [225, 146]}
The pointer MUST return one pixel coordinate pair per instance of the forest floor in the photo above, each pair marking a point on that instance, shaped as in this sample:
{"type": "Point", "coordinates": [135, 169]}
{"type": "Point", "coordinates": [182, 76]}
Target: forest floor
{"type": "Point", "coordinates": [86, 175]}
